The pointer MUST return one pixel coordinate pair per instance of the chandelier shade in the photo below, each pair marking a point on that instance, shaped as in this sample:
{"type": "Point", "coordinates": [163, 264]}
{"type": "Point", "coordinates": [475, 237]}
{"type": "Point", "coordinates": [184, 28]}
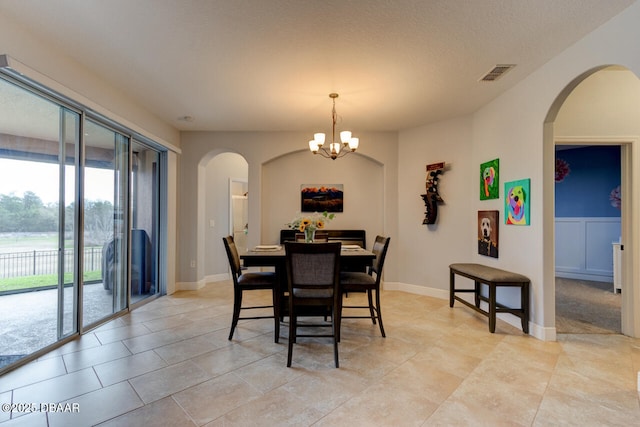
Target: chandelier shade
{"type": "Point", "coordinates": [347, 144]}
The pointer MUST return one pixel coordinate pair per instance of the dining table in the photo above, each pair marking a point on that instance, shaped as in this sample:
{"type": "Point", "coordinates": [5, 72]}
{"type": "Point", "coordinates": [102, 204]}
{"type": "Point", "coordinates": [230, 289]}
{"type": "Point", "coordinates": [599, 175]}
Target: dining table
{"type": "Point", "coordinates": [352, 257]}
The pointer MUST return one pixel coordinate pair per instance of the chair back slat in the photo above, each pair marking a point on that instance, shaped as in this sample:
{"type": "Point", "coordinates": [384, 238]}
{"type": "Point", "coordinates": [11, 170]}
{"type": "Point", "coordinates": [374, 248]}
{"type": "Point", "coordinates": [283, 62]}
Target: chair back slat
{"type": "Point", "coordinates": [232, 254]}
{"type": "Point", "coordinates": [380, 247]}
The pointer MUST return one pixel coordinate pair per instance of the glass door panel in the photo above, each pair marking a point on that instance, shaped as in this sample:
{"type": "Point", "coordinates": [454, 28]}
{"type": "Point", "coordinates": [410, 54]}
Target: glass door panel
{"type": "Point", "coordinates": [32, 221]}
{"type": "Point", "coordinates": [104, 289]}
{"type": "Point", "coordinates": [144, 215]}
{"type": "Point", "coordinates": [69, 236]}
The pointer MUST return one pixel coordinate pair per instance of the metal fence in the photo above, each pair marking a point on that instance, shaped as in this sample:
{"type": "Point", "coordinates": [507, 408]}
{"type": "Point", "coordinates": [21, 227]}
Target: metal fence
{"type": "Point", "coordinates": [34, 263]}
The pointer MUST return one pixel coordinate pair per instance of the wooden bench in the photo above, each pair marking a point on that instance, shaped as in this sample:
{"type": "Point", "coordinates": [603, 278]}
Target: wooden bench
{"type": "Point", "coordinates": [492, 277]}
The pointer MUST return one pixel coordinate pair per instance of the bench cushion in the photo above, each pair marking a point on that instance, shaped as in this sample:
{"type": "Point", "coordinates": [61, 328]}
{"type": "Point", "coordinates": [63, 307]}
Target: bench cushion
{"type": "Point", "coordinates": [490, 274]}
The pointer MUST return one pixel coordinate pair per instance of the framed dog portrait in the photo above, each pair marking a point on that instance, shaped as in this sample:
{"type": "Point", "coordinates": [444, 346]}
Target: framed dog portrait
{"type": "Point", "coordinates": [488, 233]}
{"type": "Point", "coordinates": [490, 180]}
{"type": "Point", "coordinates": [517, 202]}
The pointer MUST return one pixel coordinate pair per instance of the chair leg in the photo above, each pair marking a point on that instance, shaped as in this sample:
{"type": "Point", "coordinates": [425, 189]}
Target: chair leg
{"type": "Point", "coordinates": [276, 316]}
{"type": "Point", "coordinates": [379, 313]}
{"type": "Point", "coordinates": [335, 324]}
{"type": "Point", "coordinates": [373, 316]}
{"type": "Point", "coordinates": [292, 337]}
{"type": "Point", "coordinates": [237, 304]}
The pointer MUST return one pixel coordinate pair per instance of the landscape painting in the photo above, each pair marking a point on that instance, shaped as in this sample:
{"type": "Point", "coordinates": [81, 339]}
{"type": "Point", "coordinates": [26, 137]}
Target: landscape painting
{"type": "Point", "coordinates": [320, 198]}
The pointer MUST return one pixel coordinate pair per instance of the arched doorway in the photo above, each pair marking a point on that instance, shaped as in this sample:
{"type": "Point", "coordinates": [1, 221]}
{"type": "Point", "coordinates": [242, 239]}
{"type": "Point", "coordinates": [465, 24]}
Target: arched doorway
{"type": "Point", "coordinates": [219, 176]}
{"type": "Point", "coordinates": [607, 111]}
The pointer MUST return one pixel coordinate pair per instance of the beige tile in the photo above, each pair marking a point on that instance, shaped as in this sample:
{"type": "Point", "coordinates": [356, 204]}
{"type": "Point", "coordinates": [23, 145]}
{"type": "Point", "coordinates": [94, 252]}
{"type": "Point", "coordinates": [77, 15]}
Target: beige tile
{"type": "Point", "coordinates": [226, 359]}
{"type": "Point", "coordinates": [164, 412]}
{"type": "Point", "coordinates": [381, 405]}
{"type": "Point", "coordinates": [267, 374]}
{"type": "Point", "coordinates": [94, 356]}
{"type": "Point", "coordinates": [81, 343]}
{"type": "Point", "coordinates": [191, 347]}
{"type": "Point", "coordinates": [59, 388]}
{"type": "Point", "coordinates": [166, 381]}
{"type": "Point", "coordinates": [212, 399]}
{"type": "Point", "coordinates": [92, 409]}
{"type": "Point", "coordinates": [605, 409]}
{"type": "Point", "coordinates": [128, 367]}
{"type": "Point", "coordinates": [5, 398]}
{"type": "Point", "coordinates": [33, 372]}
{"type": "Point", "coordinates": [276, 408]}
{"type": "Point", "coordinates": [118, 334]}
{"type": "Point", "coordinates": [152, 340]}
{"type": "Point", "coordinates": [437, 366]}
{"type": "Point", "coordinates": [38, 419]}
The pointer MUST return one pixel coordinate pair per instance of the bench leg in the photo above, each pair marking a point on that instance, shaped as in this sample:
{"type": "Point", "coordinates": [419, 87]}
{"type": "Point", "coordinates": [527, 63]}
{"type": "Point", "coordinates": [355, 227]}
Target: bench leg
{"type": "Point", "coordinates": [524, 297]}
{"type": "Point", "coordinates": [451, 287]}
{"type": "Point", "coordinates": [492, 307]}
{"type": "Point", "coordinates": [478, 289]}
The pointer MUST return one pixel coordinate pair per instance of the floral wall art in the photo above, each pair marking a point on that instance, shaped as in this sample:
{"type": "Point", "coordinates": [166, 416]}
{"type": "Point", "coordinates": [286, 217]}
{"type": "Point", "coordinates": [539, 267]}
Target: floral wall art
{"type": "Point", "coordinates": [587, 182]}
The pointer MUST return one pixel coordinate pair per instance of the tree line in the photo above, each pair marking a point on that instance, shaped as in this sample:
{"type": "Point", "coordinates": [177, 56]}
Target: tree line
{"type": "Point", "coordinates": [30, 214]}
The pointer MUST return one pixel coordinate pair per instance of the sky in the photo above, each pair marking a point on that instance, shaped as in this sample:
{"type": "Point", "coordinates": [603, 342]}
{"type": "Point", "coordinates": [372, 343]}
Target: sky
{"type": "Point", "coordinates": [19, 176]}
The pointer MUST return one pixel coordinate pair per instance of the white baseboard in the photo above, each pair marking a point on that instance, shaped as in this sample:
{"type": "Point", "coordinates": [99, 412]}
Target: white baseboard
{"type": "Point", "coordinates": [585, 276]}
{"type": "Point", "coordinates": [194, 286]}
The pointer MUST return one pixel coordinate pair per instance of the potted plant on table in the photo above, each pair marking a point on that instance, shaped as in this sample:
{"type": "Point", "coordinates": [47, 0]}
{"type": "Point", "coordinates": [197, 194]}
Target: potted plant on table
{"type": "Point", "coordinates": [309, 223]}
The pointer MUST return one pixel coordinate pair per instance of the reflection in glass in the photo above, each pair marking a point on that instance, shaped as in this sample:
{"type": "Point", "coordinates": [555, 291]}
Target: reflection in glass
{"type": "Point", "coordinates": [105, 223]}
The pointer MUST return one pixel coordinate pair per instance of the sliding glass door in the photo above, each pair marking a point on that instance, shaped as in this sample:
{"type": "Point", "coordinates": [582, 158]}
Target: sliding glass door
{"type": "Point", "coordinates": [145, 203]}
{"type": "Point", "coordinates": [80, 219]}
{"type": "Point", "coordinates": [37, 243]}
{"type": "Point", "coordinates": [105, 236]}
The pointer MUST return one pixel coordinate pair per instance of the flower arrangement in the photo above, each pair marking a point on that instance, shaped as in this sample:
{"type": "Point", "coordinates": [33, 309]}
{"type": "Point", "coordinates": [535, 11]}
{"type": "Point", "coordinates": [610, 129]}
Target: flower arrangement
{"type": "Point", "coordinates": [309, 223]}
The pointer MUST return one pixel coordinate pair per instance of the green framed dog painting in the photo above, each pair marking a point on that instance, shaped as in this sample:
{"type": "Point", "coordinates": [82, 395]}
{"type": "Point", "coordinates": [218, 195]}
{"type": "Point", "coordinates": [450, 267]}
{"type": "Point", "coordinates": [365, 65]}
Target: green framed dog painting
{"type": "Point", "coordinates": [517, 202]}
{"type": "Point", "coordinates": [490, 180]}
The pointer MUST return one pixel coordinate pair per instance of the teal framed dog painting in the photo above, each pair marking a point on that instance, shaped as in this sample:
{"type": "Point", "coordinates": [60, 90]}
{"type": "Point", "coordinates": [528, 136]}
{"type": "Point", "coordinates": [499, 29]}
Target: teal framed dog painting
{"type": "Point", "coordinates": [490, 180]}
{"type": "Point", "coordinates": [517, 199]}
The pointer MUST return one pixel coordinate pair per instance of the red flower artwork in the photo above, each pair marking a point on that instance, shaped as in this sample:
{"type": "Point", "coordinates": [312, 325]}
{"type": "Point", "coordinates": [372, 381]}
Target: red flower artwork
{"type": "Point", "coordinates": [562, 170]}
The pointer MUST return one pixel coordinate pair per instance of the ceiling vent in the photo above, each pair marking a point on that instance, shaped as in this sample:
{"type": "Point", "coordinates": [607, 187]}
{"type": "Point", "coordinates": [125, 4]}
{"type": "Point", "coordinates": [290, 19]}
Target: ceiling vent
{"type": "Point", "coordinates": [497, 72]}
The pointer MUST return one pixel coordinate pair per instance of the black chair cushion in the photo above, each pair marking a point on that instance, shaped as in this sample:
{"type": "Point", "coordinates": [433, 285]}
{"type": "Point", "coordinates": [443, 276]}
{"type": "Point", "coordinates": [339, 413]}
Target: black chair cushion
{"type": "Point", "coordinates": [266, 278]}
{"type": "Point", "coordinates": [355, 278]}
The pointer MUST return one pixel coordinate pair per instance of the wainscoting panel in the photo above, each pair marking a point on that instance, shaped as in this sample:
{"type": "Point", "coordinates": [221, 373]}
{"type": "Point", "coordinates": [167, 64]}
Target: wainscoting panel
{"type": "Point", "coordinates": [584, 247]}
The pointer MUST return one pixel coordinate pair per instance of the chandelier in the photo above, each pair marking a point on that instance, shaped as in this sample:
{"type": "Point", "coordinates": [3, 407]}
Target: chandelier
{"type": "Point", "coordinates": [335, 149]}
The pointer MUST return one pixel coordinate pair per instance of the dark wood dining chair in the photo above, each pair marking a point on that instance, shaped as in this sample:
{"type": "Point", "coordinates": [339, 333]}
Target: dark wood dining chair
{"type": "Point", "coordinates": [250, 281]}
{"type": "Point", "coordinates": [313, 273]}
{"type": "Point", "coordinates": [351, 281]}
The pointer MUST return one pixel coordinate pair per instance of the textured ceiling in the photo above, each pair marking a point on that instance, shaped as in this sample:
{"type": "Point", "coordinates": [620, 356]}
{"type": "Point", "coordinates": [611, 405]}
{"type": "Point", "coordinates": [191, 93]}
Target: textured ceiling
{"type": "Point", "coordinates": [270, 64]}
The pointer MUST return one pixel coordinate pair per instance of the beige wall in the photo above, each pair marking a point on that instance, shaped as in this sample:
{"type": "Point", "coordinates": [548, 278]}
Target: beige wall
{"type": "Point", "coordinates": [512, 128]}
{"type": "Point", "coordinates": [278, 164]}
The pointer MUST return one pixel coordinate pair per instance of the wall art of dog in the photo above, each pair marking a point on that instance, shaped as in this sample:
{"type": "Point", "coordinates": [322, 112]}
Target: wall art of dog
{"type": "Point", "coordinates": [517, 202]}
{"type": "Point", "coordinates": [488, 233]}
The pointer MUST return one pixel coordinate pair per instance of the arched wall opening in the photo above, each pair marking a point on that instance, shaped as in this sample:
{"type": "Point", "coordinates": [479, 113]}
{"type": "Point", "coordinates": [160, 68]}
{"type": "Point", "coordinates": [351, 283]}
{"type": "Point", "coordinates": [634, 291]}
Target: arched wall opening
{"type": "Point", "coordinates": [362, 179]}
{"type": "Point", "coordinates": [598, 107]}
{"type": "Point", "coordinates": [219, 175]}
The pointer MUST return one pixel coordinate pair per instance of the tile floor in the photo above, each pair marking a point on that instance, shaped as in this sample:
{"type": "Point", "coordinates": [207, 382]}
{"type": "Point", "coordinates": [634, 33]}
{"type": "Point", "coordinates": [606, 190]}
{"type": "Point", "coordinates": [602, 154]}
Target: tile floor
{"type": "Point", "coordinates": [169, 363]}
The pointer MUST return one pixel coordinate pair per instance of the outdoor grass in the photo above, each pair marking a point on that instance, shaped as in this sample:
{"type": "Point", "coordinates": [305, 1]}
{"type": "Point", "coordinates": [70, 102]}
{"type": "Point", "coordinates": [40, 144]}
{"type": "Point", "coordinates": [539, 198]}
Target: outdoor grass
{"type": "Point", "coordinates": [43, 280]}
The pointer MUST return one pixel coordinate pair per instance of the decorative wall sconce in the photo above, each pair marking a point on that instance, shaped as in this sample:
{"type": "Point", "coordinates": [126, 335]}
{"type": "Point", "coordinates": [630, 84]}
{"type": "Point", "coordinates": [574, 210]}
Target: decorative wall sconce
{"type": "Point", "coordinates": [432, 197]}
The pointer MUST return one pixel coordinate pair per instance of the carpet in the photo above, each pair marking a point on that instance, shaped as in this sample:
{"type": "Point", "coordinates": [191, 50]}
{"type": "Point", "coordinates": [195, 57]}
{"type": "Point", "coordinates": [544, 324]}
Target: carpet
{"type": "Point", "coordinates": [587, 307]}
